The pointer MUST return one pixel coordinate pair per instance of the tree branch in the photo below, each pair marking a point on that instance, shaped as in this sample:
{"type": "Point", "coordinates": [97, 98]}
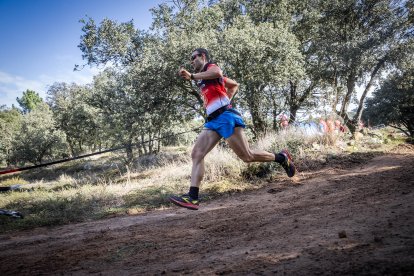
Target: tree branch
{"type": "Point", "coordinates": [374, 73]}
{"type": "Point", "coordinates": [403, 130]}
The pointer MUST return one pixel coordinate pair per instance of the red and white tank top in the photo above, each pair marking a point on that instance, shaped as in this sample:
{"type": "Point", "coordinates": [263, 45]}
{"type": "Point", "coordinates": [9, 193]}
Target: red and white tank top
{"type": "Point", "coordinates": [213, 92]}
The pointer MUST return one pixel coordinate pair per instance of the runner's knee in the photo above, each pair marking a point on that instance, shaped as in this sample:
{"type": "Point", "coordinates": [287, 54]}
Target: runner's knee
{"type": "Point", "coordinates": [197, 154]}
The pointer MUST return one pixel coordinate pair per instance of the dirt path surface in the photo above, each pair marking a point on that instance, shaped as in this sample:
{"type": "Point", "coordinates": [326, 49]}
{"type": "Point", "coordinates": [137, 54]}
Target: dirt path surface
{"type": "Point", "coordinates": [336, 221]}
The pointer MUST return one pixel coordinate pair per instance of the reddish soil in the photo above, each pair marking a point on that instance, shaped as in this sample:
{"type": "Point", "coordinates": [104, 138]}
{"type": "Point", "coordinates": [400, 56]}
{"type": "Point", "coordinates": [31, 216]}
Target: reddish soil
{"type": "Point", "coordinates": [340, 220]}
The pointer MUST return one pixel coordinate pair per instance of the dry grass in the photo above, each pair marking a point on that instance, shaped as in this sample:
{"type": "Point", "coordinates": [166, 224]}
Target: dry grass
{"type": "Point", "coordinates": [102, 187]}
{"type": "Point", "coordinates": [14, 180]}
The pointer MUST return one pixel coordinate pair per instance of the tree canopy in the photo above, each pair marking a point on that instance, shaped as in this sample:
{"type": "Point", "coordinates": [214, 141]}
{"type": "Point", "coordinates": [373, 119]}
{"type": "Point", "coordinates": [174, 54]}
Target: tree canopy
{"type": "Point", "coordinates": [289, 57]}
{"type": "Point", "coordinates": [29, 100]}
{"type": "Point", "coordinates": [393, 104]}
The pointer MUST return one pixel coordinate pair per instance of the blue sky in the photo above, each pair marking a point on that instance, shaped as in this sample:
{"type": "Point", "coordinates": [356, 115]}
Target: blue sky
{"type": "Point", "coordinates": [39, 40]}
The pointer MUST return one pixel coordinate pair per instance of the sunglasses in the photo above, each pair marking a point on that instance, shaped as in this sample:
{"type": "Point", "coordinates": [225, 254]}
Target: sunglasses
{"type": "Point", "coordinates": [195, 56]}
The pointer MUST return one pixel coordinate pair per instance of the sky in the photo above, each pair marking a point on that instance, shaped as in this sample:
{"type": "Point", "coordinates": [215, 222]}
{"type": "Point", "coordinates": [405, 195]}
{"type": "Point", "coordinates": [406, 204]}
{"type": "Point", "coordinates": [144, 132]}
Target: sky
{"type": "Point", "coordinates": [40, 38]}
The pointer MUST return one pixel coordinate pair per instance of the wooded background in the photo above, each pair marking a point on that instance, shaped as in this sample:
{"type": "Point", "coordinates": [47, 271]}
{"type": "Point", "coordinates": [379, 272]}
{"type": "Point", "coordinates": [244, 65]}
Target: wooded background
{"type": "Point", "coordinates": [305, 59]}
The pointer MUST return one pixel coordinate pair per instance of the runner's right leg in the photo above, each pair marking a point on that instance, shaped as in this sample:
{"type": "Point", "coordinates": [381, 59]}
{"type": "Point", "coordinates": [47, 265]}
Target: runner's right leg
{"type": "Point", "coordinates": [206, 141]}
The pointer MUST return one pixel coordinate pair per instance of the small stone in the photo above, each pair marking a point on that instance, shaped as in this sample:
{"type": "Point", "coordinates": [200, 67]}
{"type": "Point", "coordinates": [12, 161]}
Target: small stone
{"type": "Point", "coordinates": [274, 190]}
{"type": "Point", "coordinates": [342, 234]}
{"type": "Point", "coordinates": [377, 239]}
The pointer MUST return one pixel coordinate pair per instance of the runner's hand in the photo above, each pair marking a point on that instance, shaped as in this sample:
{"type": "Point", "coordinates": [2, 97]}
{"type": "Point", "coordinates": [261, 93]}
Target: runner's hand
{"type": "Point", "coordinates": [184, 74]}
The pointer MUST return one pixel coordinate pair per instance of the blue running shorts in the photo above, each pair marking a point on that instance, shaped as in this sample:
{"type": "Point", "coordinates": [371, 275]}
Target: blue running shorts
{"type": "Point", "coordinates": [225, 123]}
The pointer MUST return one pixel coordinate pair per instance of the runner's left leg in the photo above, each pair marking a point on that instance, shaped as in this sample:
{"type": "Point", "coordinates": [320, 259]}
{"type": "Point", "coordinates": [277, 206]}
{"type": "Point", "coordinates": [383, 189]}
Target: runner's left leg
{"type": "Point", "coordinates": [238, 143]}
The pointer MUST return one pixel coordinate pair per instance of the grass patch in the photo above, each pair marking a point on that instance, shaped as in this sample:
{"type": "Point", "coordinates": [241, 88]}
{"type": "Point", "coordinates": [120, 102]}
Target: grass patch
{"type": "Point", "coordinates": [54, 207]}
{"type": "Point", "coordinates": [217, 189]}
{"type": "Point", "coordinates": [149, 198]}
{"type": "Point", "coordinates": [101, 187]}
{"type": "Point", "coordinates": [14, 180]}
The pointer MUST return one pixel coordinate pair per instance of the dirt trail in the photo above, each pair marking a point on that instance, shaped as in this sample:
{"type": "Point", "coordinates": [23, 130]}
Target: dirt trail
{"type": "Point", "coordinates": [357, 221]}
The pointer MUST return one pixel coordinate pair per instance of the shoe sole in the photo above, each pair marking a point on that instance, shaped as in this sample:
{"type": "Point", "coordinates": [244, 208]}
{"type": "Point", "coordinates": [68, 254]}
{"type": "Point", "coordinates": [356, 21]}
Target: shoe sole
{"type": "Point", "coordinates": [291, 161]}
{"type": "Point", "coordinates": [185, 205]}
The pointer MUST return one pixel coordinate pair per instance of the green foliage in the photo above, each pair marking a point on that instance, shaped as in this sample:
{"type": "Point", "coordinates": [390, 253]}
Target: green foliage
{"type": "Point", "coordinates": [282, 53]}
{"type": "Point", "coordinates": [136, 109]}
{"type": "Point", "coordinates": [393, 104]}
{"type": "Point", "coordinates": [38, 138]}
{"type": "Point", "coordinates": [286, 55]}
{"type": "Point", "coordinates": [359, 40]}
{"type": "Point", "coordinates": [80, 122]}
{"type": "Point", "coordinates": [138, 102]}
{"type": "Point", "coordinates": [110, 41]}
{"type": "Point", "coordinates": [10, 123]}
{"type": "Point", "coordinates": [273, 60]}
{"type": "Point", "coordinates": [29, 100]}
{"type": "Point", "coordinates": [272, 50]}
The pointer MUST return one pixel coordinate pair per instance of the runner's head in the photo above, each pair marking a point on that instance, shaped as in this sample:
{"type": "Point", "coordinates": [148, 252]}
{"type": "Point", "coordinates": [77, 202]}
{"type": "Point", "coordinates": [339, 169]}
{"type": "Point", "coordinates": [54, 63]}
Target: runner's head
{"type": "Point", "coordinates": [199, 58]}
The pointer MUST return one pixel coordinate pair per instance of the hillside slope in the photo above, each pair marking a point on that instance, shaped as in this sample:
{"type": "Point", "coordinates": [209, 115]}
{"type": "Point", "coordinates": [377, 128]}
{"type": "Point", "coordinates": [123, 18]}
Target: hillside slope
{"type": "Point", "coordinates": [333, 221]}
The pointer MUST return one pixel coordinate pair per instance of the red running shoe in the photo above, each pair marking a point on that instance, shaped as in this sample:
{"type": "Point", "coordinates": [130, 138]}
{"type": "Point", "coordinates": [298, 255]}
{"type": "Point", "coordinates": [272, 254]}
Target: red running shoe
{"type": "Point", "coordinates": [185, 201]}
{"type": "Point", "coordinates": [288, 165]}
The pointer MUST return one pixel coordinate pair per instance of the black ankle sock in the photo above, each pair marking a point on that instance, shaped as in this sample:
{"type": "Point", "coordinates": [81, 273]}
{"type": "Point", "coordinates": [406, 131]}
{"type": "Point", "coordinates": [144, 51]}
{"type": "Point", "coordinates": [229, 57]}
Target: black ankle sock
{"type": "Point", "coordinates": [279, 158]}
{"type": "Point", "coordinates": [193, 192]}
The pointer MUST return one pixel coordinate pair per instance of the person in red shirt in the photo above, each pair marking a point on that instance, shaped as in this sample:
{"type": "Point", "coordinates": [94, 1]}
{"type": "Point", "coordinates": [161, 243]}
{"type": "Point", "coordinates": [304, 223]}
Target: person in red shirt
{"type": "Point", "coordinates": [284, 121]}
{"type": "Point", "coordinates": [323, 125]}
{"type": "Point", "coordinates": [222, 122]}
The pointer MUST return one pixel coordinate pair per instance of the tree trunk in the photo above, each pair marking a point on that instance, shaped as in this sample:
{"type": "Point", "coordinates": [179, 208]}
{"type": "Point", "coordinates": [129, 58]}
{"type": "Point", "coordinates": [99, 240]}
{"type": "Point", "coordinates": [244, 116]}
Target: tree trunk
{"type": "Point", "coordinates": [143, 146]}
{"type": "Point", "coordinates": [128, 146]}
{"type": "Point", "coordinates": [350, 84]}
{"type": "Point", "coordinates": [293, 107]}
{"type": "Point", "coordinates": [336, 89]}
{"type": "Point", "coordinates": [79, 147]}
{"type": "Point", "coordinates": [129, 153]}
{"type": "Point", "coordinates": [159, 141]}
{"type": "Point", "coordinates": [410, 128]}
{"type": "Point", "coordinates": [151, 144]}
{"type": "Point", "coordinates": [71, 147]}
{"type": "Point", "coordinates": [259, 125]}
{"type": "Point", "coordinates": [352, 128]}
{"type": "Point", "coordinates": [293, 110]}
{"type": "Point", "coordinates": [295, 102]}
{"type": "Point", "coordinates": [374, 73]}
{"type": "Point", "coordinates": [275, 113]}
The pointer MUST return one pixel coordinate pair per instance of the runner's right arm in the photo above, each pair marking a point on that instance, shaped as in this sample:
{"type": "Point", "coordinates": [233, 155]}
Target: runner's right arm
{"type": "Point", "coordinates": [212, 72]}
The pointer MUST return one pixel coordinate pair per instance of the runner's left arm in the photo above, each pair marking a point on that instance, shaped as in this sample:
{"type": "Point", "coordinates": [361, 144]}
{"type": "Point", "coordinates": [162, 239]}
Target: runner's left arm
{"type": "Point", "coordinates": [231, 87]}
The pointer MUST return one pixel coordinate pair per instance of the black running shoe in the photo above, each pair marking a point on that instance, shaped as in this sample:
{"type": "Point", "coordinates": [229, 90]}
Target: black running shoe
{"type": "Point", "coordinates": [185, 201]}
{"type": "Point", "coordinates": [288, 165]}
